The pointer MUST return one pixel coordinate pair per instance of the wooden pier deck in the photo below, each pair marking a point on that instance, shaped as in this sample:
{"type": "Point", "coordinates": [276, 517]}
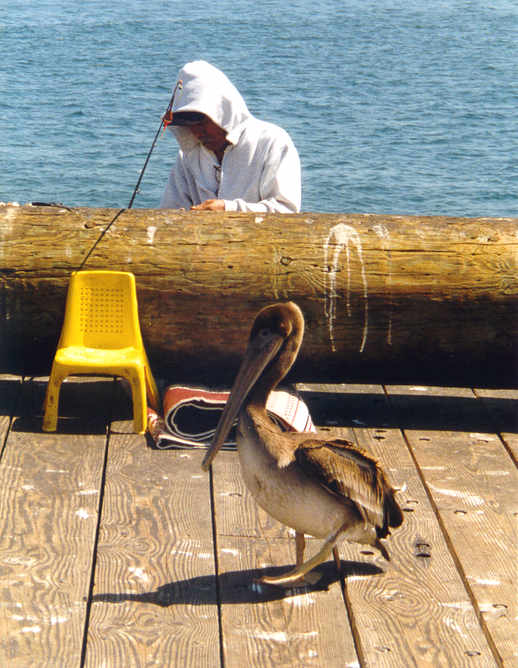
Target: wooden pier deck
{"type": "Point", "coordinates": [116, 554]}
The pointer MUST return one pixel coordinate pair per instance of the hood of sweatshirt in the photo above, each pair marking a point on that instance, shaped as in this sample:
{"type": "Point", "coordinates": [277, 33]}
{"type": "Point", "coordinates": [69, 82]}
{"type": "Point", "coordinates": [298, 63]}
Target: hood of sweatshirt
{"type": "Point", "coordinates": [207, 90]}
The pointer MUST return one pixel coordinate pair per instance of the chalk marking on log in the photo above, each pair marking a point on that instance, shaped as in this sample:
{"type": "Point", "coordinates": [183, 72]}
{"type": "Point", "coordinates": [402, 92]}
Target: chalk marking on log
{"type": "Point", "coordinates": [275, 281]}
{"type": "Point", "coordinates": [384, 235]}
{"type": "Point", "coordinates": [342, 236]}
{"type": "Point", "coordinates": [9, 216]}
{"type": "Point", "coordinates": [151, 231]}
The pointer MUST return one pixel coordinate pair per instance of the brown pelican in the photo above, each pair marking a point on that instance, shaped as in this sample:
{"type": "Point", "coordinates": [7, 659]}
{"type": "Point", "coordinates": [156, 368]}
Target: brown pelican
{"type": "Point", "coordinates": [324, 488]}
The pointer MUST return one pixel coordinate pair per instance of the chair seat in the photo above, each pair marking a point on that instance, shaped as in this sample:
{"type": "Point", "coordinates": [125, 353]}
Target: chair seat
{"type": "Point", "coordinates": [97, 357]}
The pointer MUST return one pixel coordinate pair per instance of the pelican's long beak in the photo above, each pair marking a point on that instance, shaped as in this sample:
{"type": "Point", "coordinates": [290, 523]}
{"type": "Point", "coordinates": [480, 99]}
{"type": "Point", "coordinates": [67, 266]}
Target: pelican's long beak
{"type": "Point", "coordinates": [258, 354]}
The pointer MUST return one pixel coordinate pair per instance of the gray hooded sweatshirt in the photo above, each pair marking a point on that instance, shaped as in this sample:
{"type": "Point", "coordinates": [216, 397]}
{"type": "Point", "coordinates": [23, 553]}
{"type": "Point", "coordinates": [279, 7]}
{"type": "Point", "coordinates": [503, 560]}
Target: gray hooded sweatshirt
{"type": "Point", "coordinates": [260, 170]}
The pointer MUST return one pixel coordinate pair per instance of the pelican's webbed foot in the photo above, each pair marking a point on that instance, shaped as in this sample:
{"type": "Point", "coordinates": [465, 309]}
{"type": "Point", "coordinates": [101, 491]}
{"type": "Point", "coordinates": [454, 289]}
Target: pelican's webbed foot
{"type": "Point", "coordinates": [300, 576]}
{"type": "Point", "coordinates": [292, 579]}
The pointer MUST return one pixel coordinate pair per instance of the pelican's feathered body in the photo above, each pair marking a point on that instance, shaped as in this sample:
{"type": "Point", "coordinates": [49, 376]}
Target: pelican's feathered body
{"type": "Point", "coordinates": [324, 488]}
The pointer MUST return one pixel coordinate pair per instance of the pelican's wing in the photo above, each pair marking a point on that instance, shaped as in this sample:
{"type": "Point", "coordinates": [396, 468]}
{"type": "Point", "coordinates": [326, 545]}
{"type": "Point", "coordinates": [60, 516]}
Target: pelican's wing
{"type": "Point", "coordinates": [350, 473]}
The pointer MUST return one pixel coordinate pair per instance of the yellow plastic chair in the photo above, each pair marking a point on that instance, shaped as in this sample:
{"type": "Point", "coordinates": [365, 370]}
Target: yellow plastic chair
{"type": "Point", "coordinates": [101, 336]}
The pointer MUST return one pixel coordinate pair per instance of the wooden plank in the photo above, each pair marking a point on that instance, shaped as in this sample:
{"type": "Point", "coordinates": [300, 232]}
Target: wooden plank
{"type": "Point", "coordinates": [265, 625]}
{"type": "Point", "coordinates": [9, 389]}
{"type": "Point", "coordinates": [503, 410]}
{"type": "Point", "coordinates": [50, 486]}
{"type": "Point", "coordinates": [416, 611]}
{"type": "Point", "coordinates": [154, 601]}
{"type": "Point", "coordinates": [474, 485]}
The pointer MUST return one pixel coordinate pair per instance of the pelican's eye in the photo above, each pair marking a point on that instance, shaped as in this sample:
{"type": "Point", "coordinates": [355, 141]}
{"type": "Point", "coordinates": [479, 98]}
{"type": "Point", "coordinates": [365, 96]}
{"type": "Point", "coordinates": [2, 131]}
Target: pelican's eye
{"type": "Point", "coordinates": [264, 333]}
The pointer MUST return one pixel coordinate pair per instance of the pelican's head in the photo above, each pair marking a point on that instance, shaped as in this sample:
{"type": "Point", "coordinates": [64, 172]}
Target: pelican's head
{"type": "Point", "coordinates": [273, 345]}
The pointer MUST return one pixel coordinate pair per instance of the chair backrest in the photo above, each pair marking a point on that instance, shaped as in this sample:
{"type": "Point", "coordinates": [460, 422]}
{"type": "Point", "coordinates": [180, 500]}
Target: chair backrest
{"type": "Point", "coordinates": [101, 311]}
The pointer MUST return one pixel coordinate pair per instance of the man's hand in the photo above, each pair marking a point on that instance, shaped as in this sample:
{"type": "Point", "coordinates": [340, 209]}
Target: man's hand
{"type": "Point", "coordinates": [210, 205]}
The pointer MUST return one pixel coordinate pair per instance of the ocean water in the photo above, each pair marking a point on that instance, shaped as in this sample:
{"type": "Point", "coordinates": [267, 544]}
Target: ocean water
{"type": "Point", "coordinates": [395, 106]}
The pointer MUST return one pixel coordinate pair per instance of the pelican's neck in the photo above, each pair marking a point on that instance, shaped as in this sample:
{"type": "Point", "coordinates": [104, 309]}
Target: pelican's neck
{"type": "Point", "coordinates": [274, 374]}
{"type": "Point", "coordinates": [259, 396]}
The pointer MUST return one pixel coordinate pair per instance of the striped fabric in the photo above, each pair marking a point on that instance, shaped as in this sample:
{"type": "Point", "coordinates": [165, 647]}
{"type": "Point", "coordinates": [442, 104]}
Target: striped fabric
{"type": "Point", "coordinates": [191, 414]}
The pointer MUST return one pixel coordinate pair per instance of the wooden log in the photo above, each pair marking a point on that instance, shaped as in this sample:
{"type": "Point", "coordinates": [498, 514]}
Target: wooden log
{"type": "Point", "coordinates": [386, 298]}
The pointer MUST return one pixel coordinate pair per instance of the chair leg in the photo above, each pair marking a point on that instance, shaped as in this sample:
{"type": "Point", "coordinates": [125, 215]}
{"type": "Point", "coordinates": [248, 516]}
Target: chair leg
{"type": "Point", "coordinates": [153, 397]}
{"type": "Point", "coordinates": [137, 380]}
{"type": "Point", "coordinates": [51, 404]}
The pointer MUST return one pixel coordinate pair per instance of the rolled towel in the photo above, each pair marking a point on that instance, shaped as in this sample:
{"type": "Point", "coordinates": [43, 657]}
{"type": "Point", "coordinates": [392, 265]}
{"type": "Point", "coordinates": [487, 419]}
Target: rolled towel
{"type": "Point", "coordinates": [191, 415]}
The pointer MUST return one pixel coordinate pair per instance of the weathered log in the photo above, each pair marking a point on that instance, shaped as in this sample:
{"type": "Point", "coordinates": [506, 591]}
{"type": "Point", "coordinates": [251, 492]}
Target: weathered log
{"type": "Point", "coordinates": [386, 298]}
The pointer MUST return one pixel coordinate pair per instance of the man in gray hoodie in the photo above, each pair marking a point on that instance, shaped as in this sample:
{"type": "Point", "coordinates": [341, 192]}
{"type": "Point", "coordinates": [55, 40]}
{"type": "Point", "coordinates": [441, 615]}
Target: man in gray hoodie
{"type": "Point", "coordinates": [228, 159]}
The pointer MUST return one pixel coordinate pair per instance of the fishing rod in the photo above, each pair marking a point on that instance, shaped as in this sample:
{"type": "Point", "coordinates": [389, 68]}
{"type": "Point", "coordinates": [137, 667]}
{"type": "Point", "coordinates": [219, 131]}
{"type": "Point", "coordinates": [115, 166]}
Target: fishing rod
{"type": "Point", "coordinates": [166, 120]}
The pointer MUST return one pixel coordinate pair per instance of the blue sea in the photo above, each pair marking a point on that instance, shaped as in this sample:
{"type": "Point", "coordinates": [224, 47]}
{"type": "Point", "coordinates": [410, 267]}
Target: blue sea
{"type": "Point", "coordinates": [395, 106]}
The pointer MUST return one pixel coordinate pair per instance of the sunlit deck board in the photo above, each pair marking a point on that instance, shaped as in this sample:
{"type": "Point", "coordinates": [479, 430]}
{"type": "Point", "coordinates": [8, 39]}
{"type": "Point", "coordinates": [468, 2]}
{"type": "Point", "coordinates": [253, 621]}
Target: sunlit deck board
{"type": "Point", "coordinates": [114, 553]}
{"type": "Point", "coordinates": [50, 486]}
{"type": "Point", "coordinates": [154, 601]}
{"type": "Point", "coordinates": [473, 483]}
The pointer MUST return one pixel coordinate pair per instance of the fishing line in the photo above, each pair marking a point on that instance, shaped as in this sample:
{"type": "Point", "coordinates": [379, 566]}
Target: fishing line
{"type": "Point", "coordinates": [166, 120]}
{"type": "Point", "coordinates": [98, 240]}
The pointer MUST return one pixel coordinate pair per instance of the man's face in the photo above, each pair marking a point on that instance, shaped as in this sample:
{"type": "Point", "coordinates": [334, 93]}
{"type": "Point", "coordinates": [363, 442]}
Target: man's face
{"type": "Point", "coordinates": [211, 135]}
